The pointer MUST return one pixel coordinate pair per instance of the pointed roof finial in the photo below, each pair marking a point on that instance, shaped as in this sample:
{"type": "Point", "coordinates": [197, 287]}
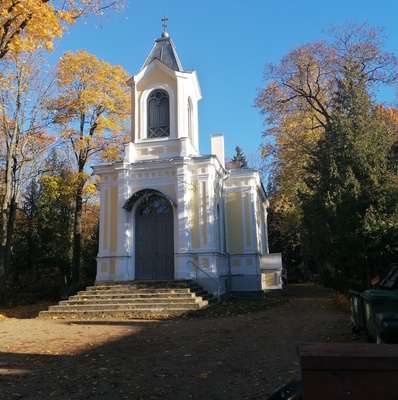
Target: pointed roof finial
{"type": "Point", "coordinates": [164, 19]}
{"type": "Point", "coordinates": [164, 50]}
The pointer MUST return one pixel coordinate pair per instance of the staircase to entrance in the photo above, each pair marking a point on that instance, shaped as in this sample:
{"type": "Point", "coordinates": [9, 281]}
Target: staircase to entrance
{"type": "Point", "coordinates": [136, 299]}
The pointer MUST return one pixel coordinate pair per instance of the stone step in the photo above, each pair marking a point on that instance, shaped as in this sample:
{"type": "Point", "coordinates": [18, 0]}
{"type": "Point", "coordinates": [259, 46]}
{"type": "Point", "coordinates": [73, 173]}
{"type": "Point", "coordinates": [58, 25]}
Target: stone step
{"type": "Point", "coordinates": [141, 292]}
{"type": "Point", "coordinates": [118, 300]}
{"type": "Point", "coordinates": [152, 285]}
{"type": "Point", "coordinates": [132, 289]}
{"type": "Point", "coordinates": [111, 313]}
{"type": "Point", "coordinates": [117, 306]}
{"type": "Point", "coordinates": [133, 299]}
{"type": "Point", "coordinates": [132, 296]}
{"type": "Point", "coordinates": [119, 291]}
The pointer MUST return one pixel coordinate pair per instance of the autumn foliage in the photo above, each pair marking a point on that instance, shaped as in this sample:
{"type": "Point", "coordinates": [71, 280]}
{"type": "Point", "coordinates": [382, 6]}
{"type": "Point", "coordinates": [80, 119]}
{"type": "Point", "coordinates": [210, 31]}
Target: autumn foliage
{"type": "Point", "coordinates": [54, 124]}
{"type": "Point", "coordinates": [332, 152]}
{"type": "Point", "coordinates": [91, 112]}
{"type": "Point", "coordinates": [25, 25]}
{"type": "Point", "coordinates": [53, 128]}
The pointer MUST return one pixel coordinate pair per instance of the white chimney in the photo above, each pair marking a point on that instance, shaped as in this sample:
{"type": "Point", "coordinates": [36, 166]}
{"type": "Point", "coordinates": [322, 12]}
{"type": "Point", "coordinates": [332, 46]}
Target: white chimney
{"type": "Point", "coordinates": [217, 147]}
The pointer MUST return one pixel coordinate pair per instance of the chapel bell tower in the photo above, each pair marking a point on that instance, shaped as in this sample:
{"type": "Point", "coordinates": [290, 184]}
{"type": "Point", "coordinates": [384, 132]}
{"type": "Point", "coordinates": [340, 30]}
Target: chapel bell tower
{"type": "Point", "coordinates": [168, 212]}
{"type": "Point", "coordinates": [164, 106]}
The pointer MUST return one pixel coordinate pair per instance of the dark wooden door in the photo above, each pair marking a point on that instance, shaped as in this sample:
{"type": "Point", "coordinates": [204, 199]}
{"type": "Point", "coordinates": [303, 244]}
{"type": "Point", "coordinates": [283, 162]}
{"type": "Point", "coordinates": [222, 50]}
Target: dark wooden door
{"type": "Point", "coordinates": [154, 244]}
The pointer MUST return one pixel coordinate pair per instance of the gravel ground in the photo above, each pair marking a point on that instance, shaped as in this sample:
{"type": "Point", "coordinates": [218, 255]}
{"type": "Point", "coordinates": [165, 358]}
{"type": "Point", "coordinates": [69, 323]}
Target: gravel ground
{"type": "Point", "coordinates": [231, 357]}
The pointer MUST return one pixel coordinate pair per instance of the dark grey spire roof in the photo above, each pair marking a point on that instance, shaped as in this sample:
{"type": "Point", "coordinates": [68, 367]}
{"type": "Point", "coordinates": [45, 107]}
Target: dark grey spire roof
{"type": "Point", "coordinates": [164, 50]}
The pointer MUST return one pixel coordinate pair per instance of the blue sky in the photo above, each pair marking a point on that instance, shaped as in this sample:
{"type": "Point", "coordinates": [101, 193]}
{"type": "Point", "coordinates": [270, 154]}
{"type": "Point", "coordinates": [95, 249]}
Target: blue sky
{"type": "Point", "coordinates": [228, 42]}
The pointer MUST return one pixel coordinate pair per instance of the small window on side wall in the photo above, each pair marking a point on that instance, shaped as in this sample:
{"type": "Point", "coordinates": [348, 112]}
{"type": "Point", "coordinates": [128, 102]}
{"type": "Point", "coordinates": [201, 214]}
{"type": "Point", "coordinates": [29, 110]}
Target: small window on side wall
{"type": "Point", "coordinates": [158, 114]}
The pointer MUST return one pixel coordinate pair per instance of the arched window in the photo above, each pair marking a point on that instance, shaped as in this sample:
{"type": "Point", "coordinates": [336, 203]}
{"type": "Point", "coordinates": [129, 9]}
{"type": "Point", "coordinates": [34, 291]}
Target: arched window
{"type": "Point", "coordinates": [158, 114]}
{"type": "Point", "coordinates": [154, 204]}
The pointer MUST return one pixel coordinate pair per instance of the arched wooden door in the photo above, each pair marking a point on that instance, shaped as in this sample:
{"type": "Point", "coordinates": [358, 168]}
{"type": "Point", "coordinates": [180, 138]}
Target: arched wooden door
{"type": "Point", "coordinates": [154, 239]}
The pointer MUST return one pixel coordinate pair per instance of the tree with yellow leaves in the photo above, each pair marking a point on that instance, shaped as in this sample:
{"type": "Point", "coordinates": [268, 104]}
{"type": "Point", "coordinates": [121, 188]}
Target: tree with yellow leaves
{"type": "Point", "coordinates": [27, 24]}
{"type": "Point", "coordinates": [298, 102]}
{"type": "Point", "coordinates": [91, 111]}
{"type": "Point", "coordinates": [23, 140]}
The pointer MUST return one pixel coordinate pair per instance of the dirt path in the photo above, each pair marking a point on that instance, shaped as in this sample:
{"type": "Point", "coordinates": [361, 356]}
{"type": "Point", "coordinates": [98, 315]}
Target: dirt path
{"type": "Point", "coordinates": [239, 357]}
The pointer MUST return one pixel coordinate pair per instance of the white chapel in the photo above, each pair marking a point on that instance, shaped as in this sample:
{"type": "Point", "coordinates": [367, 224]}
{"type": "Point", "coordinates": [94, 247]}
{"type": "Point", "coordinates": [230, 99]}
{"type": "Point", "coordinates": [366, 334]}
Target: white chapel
{"type": "Point", "coordinates": [169, 212]}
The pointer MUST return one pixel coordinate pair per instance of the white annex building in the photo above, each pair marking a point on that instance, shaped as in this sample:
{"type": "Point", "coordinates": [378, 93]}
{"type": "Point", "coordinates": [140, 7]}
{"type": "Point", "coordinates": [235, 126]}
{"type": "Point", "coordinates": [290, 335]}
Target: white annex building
{"type": "Point", "coordinates": [169, 212]}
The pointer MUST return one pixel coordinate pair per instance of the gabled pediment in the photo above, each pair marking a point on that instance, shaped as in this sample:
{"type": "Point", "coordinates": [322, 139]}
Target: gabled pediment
{"type": "Point", "coordinates": [154, 66]}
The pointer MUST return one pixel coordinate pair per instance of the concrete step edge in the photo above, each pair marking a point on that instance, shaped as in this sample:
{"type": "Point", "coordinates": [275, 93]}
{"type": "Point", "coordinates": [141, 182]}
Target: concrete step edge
{"type": "Point", "coordinates": [125, 306]}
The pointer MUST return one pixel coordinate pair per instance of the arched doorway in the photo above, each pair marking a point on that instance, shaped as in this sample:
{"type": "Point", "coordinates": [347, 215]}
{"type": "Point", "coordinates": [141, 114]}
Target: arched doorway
{"type": "Point", "coordinates": [154, 238]}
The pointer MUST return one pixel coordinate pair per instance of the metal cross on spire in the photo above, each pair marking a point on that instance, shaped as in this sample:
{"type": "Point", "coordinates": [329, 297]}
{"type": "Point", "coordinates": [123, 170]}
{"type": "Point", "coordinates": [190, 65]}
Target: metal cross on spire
{"type": "Point", "coordinates": [164, 19]}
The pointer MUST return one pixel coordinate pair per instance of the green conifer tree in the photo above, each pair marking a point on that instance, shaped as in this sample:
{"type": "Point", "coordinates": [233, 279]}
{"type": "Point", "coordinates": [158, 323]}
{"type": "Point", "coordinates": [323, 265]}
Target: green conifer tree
{"type": "Point", "coordinates": [349, 213]}
{"type": "Point", "coordinates": [239, 158]}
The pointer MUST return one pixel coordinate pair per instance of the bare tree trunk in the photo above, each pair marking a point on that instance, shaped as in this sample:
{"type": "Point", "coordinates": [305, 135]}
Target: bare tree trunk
{"type": "Point", "coordinates": [6, 216]}
{"type": "Point", "coordinates": [10, 233]}
{"type": "Point", "coordinates": [19, 123]}
{"type": "Point", "coordinates": [3, 245]}
{"type": "Point", "coordinates": [77, 234]}
{"type": "Point", "coordinates": [8, 223]}
{"type": "Point", "coordinates": [305, 263]}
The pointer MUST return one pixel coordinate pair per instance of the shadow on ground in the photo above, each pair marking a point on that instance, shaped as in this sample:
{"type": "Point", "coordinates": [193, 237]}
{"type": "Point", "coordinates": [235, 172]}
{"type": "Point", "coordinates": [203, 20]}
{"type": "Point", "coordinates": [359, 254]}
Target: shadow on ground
{"type": "Point", "coordinates": [237, 357]}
